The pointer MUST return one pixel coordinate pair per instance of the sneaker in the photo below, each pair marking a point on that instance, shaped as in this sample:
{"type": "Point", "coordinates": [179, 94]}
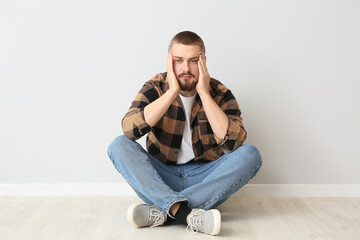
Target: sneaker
{"type": "Point", "coordinates": [142, 215]}
{"type": "Point", "coordinates": [208, 222]}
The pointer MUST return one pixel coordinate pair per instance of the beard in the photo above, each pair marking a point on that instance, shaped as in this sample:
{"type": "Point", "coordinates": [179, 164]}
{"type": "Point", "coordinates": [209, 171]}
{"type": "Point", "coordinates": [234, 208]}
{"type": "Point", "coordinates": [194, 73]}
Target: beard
{"type": "Point", "coordinates": [186, 84]}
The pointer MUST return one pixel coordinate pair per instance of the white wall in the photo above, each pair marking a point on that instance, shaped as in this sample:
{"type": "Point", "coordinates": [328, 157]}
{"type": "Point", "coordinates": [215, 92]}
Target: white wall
{"type": "Point", "coordinates": [70, 69]}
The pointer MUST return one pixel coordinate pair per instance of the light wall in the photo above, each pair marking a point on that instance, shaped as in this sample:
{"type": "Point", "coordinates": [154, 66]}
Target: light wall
{"type": "Point", "coordinates": [70, 69]}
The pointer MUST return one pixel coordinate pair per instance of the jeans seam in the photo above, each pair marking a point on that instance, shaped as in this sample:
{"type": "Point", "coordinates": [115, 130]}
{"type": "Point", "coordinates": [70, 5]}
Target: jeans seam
{"type": "Point", "coordinates": [183, 177]}
{"type": "Point", "coordinates": [165, 169]}
{"type": "Point", "coordinates": [211, 164]}
{"type": "Point", "coordinates": [156, 173]}
{"type": "Point", "coordinates": [214, 200]}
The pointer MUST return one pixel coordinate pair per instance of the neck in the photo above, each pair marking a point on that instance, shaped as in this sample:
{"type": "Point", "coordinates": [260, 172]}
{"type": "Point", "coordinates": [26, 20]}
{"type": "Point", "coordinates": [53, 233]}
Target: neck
{"type": "Point", "coordinates": [188, 93]}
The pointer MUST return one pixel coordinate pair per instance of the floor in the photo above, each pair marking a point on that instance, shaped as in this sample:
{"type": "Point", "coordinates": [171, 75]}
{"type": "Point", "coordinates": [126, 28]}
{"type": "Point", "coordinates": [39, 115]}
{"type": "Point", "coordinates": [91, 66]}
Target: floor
{"type": "Point", "coordinates": [104, 217]}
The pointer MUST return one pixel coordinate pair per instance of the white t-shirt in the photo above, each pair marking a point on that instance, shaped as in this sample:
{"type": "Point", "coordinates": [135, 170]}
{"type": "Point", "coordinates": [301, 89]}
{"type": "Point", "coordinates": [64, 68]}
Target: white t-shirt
{"type": "Point", "coordinates": [186, 152]}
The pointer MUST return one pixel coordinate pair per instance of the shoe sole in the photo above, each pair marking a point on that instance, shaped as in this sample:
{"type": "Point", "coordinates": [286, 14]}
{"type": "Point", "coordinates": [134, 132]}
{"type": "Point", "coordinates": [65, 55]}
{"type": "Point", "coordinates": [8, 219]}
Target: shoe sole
{"type": "Point", "coordinates": [130, 214]}
{"type": "Point", "coordinates": [217, 222]}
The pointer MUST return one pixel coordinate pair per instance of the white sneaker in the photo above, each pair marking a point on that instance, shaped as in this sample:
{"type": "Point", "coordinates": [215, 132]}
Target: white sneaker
{"type": "Point", "coordinates": [208, 222]}
{"type": "Point", "coordinates": [142, 215]}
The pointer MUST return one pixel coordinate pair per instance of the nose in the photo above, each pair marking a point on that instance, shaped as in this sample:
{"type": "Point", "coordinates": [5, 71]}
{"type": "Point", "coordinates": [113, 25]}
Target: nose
{"type": "Point", "coordinates": [186, 67]}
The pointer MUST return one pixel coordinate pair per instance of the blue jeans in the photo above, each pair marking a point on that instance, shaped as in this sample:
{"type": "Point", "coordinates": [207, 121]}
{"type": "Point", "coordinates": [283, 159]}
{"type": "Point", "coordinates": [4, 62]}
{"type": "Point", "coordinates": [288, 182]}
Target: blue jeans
{"type": "Point", "coordinates": [201, 185]}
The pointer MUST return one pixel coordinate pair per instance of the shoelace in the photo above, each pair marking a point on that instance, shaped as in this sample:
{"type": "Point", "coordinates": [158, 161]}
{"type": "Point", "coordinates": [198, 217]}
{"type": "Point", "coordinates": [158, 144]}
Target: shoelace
{"type": "Point", "coordinates": [157, 216]}
{"type": "Point", "coordinates": [194, 220]}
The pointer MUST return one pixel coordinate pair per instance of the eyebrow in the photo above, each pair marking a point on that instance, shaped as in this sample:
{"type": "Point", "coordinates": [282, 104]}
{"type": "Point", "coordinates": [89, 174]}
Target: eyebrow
{"type": "Point", "coordinates": [183, 58]}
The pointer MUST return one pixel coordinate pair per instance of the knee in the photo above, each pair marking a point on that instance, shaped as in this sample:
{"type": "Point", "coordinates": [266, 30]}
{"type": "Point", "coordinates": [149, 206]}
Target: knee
{"type": "Point", "coordinates": [251, 154]}
{"type": "Point", "coordinates": [119, 141]}
{"type": "Point", "coordinates": [117, 144]}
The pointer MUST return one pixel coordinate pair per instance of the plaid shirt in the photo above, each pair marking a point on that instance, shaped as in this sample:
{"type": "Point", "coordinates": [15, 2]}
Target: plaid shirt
{"type": "Point", "coordinates": [164, 138]}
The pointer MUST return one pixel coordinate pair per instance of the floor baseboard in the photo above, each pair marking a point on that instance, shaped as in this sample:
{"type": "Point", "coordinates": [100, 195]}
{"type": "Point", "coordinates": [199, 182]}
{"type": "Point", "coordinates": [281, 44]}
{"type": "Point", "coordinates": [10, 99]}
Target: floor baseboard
{"type": "Point", "coordinates": [123, 189]}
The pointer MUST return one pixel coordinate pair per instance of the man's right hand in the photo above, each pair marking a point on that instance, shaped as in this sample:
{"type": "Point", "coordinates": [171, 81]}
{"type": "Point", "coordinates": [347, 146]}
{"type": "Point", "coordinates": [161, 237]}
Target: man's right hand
{"type": "Point", "coordinates": [154, 111]}
{"type": "Point", "coordinates": [173, 82]}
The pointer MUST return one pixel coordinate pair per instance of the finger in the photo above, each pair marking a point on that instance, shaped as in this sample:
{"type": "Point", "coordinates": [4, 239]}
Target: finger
{"type": "Point", "coordinates": [201, 71]}
{"type": "Point", "coordinates": [205, 65]}
{"type": "Point", "coordinates": [167, 61]}
{"type": "Point", "coordinates": [170, 62]}
{"type": "Point", "coordinates": [202, 64]}
{"type": "Point", "coordinates": [168, 57]}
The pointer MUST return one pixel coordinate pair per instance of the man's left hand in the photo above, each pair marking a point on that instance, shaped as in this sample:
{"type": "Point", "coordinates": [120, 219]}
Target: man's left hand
{"type": "Point", "coordinates": [203, 85]}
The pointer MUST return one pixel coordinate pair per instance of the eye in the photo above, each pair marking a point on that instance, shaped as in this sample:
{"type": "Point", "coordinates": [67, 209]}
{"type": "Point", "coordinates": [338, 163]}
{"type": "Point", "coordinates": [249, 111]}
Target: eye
{"type": "Point", "coordinates": [177, 60]}
{"type": "Point", "coordinates": [194, 61]}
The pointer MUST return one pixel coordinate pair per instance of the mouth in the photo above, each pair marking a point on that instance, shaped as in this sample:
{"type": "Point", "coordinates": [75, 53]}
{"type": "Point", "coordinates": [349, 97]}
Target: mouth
{"type": "Point", "coordinates": [186, 77]}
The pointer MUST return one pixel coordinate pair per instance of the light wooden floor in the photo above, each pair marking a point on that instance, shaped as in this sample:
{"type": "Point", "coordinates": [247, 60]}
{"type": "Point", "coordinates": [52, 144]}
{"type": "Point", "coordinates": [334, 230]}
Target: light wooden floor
{"type": "Point", "coordinates": [242, 218]}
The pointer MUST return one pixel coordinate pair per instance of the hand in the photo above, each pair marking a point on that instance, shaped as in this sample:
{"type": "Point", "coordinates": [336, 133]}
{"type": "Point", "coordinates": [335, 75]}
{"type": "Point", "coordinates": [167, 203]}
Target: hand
{"type": "Point", "coordinates": [203, 85]}
{"type": "Point", "coordinates": [173, 82]}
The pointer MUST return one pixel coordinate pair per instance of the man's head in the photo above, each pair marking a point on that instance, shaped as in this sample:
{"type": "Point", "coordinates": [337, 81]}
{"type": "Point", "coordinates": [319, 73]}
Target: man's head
{"type": "Point", "coordinates": [186, 47]}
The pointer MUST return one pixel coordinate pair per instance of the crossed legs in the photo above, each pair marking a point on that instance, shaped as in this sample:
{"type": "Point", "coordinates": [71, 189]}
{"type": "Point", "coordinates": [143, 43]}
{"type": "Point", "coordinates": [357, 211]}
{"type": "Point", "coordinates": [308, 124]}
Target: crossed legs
{"type": "Point", "coordinates": [202, 186]}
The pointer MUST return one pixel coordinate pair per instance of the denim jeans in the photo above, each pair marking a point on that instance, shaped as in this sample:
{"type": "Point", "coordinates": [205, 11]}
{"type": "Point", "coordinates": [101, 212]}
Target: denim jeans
{"type": "Point", "coordinates": [201, 185]}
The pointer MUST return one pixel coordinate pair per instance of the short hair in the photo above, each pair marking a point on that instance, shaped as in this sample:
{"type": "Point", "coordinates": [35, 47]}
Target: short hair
{"type": "Point", "coordinates": [187, 38]}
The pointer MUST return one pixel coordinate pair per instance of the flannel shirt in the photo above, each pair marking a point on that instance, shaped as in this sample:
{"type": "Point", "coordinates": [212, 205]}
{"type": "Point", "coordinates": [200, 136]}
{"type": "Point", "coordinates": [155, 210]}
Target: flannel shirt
{"type": "Point", "coordinates": [164, 138]}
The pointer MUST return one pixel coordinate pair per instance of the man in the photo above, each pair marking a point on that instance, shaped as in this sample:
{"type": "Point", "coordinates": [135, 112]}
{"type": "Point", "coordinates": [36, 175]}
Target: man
{"type": "Point", "coordinates": [195, 156]}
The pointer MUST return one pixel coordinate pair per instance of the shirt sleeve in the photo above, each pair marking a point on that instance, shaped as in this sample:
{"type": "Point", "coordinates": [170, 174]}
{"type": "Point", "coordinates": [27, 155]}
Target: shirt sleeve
{"type": "Point", "coordinates": [133, 123]}
{"type": "Point", "coordinates": [236, 133]}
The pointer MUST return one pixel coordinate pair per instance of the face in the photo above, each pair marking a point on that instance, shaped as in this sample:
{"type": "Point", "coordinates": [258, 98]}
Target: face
{"type": "Point", "coordinates": [186, 69]}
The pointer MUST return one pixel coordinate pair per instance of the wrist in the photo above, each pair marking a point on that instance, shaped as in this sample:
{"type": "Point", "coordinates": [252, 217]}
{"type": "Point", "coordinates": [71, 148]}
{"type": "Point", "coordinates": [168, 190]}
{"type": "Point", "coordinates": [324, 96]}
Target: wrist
{"type": "Point", "coordinates": [204, 94]}
{"type": "Point", "coordinates": [173, 92]}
